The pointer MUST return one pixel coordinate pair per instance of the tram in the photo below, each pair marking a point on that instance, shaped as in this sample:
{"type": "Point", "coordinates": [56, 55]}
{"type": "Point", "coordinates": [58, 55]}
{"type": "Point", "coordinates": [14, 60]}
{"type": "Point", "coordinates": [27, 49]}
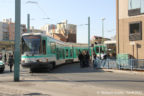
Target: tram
{"type": "Point", "coordinates": [41, 51]}
{"type": "Point", "coordinates": [100, 50]}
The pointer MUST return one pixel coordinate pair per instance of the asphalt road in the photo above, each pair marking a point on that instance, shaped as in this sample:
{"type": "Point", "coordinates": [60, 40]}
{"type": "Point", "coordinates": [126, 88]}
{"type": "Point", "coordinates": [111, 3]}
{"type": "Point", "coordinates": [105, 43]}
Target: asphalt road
{"type": "Point", "coordinates": [72, 73]}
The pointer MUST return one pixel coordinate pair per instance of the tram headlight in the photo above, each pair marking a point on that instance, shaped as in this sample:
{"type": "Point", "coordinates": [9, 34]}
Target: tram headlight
{"type": "Point", "coordinates": [38, 60]}
{"type": "Point", "coordinates": [23, 61]}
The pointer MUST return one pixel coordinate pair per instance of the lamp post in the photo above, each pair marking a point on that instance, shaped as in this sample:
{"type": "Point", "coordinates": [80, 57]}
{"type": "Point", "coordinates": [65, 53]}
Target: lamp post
{"type": "Point", "coordinates": [17, 40]}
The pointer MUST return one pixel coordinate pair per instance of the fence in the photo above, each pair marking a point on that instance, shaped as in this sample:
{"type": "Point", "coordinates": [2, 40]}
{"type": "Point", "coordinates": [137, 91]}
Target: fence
{"type": "Point", "coordinates": [128, 64]}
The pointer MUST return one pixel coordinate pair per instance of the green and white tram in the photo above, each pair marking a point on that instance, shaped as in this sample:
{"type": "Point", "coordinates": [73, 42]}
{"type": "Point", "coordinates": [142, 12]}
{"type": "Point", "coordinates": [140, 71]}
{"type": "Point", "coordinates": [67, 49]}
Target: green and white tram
{"type": "Point", "coordinates": [41, 51]}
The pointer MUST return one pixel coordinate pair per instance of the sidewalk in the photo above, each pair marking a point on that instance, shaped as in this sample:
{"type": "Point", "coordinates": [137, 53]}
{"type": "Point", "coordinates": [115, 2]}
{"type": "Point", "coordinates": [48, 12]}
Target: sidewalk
{"type": "Point", "coordinates": [37, 87]}
{"type": "Point", "coordinates": [124, 71]}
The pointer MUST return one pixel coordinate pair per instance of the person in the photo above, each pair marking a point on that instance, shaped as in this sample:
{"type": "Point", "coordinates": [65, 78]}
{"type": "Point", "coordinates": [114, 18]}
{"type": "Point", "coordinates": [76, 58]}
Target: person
{"type": "Point", "coordinates": [5, 58]}
{"type": "Point", "coordinates": [80, 56]}
{"type": "Point", "coordinates": [87, 58]}
{"type": "Point", "coordinates": [11, 61]}
{"type": "Point", "coordinates": [96, 61]}
{"type": "Point", "coordinates": [84, 58]}
{"type": "Point", "coordinates": [0, 56]}
{"type": "Point", "coordinates": [94, 57]}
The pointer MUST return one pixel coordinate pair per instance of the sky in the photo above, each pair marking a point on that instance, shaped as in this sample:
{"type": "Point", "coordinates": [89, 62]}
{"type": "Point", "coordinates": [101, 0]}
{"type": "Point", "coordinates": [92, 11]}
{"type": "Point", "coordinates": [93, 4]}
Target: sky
{"type": "Point", "coordinates": [75, 11]}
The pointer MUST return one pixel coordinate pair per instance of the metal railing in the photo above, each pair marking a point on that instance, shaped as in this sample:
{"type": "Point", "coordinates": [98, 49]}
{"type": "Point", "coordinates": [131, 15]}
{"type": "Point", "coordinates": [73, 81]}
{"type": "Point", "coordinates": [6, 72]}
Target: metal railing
{"type": "Point", "coordinates": [121, 64]}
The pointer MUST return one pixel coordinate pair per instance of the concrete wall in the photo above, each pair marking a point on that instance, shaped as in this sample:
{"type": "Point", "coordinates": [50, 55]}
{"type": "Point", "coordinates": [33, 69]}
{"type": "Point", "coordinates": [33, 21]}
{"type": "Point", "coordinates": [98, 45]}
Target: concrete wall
{"type": "Point", "coordinates": [123, 9]}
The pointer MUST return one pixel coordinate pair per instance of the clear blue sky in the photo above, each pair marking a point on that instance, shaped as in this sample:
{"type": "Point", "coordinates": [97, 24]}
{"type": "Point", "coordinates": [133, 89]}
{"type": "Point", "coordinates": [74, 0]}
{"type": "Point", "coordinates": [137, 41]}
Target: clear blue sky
{"type": "Point", "coordinates": [75, 11]}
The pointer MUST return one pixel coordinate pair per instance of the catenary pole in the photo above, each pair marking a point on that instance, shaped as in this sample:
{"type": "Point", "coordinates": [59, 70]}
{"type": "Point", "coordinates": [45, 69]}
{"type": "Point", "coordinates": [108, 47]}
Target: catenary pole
{"type": "Point", "coordinates": [28, 23]}
{"type": "Point", "coordinates": [17, 40]}
{"type": "Point", "coordinates": [89, 34]}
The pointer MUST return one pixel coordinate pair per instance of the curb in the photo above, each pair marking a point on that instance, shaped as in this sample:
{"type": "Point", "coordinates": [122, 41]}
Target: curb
{"type": "Point", "coordinates": [124, 71]}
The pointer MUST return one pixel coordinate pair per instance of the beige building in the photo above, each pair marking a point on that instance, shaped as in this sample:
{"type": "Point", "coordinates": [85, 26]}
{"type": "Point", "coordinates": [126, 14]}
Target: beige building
{"type": "Point", "coordinates": [33, 30]}
{"type": "Point", "coordinates": [50, 29]}
{"type": "Point", "coordinates": [98, 40]}
{"type": "Point", "coordinates": [1, 31]}
{"type": "Point", "coordinates": [12, 30]}
{"type": "Point", "coordinates": [130, 28]}
{"type": "Point", "coordinates": [62, 31]}
{"type": "Point", "coordinates": [4, 32]}
{"type": "Point", "coordinates": [7, 30]}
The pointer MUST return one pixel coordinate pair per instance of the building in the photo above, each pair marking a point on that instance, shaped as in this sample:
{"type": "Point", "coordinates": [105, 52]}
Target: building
{"type": "Point", "coordinates": [12, 30]}
{"type": "Point", "coordinates": [130, 28]}
{"type": "Point", "coordinates": [7, 30]}
{"type": "Point", "coordinates": [1, 31]}
{"type": "Point", "coordinates": [98, 40]}
{"type": "Point", "coordinates": [62, 31]}
{"type": "Point", "coordinates": [50, 29]}
{"type": "Point", "coordinates": [4, 32]}
{"type": "Point", "coordinates": [33, 30]}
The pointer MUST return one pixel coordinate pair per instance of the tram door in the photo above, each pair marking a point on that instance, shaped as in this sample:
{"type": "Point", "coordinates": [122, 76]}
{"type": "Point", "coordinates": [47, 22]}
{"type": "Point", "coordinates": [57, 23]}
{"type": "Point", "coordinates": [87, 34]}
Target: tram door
{"type": "Point", "coordinates": [57, 53]}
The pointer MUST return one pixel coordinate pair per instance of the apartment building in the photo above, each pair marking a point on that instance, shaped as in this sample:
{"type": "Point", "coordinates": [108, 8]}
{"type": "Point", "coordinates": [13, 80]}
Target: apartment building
{"type": "Point", "coordinates": [4, 32]}
{"type": "Point", "coordinates": [130, 28]}
{"type": "Point", "coordinates": [62, 31]}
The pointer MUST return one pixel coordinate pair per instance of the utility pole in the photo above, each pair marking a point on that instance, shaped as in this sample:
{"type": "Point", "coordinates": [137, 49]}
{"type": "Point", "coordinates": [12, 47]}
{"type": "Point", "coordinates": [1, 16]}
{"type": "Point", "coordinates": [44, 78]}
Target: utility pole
{"type": "Point", "coordinates": [89, 34]}
{"type": "Point", "coordinates": [103, 30]}
{"type": "Point", "coordinates": [17, 40]}
{"type": "Point", "coordinates": [28, 23]}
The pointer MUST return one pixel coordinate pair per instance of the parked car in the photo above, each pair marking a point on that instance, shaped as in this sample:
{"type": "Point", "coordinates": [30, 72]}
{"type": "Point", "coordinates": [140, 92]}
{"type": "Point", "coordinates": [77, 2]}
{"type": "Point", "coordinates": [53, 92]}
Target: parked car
{"type": "Point", "coordinates": [2, 66]}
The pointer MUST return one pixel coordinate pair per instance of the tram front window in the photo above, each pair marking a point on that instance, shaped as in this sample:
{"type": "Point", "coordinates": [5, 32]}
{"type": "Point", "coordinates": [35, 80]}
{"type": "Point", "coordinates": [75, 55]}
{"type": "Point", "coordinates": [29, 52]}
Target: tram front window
{"type": "Point", "coordinates": [31, 45]}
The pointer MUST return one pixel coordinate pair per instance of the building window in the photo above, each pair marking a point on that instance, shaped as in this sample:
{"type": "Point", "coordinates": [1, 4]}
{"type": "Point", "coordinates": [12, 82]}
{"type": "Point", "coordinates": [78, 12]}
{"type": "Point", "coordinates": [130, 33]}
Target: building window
{"type": "Point", "coordinates": [136, 7]}
{"type": "Point", "coordinates": [67, 53]}
{"type": "Point", "coordinates": [135, 31]}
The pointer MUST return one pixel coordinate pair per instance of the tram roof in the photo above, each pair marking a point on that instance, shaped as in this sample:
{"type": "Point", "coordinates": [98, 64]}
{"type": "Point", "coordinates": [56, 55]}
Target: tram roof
{"type": "Point", "coordinates": [110, 42]}
{"type": "Point", "coordinates": [65, 43]}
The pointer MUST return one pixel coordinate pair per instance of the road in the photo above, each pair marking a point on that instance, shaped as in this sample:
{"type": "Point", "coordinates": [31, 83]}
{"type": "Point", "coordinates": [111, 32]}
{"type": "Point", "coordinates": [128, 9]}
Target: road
{"type": "Point", "coordinates": [90, 82]}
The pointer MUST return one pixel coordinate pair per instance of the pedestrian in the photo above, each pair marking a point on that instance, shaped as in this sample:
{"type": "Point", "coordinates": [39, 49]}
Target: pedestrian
{"type": "Point", "coordinates": [87, 58]}
{"type": "Point", "coordinates": [11, 61]}
{"type": "Point", "coordinates": [5, 58]}
{"type": "Point", "coordinates": [94, 57]}
{"type": "Point", "coordinates": [96, 61]}
{"type": "Point", "coordinates": [80, 57]}
{"type": "Point", "coordinates": [0, 56]}
{"type": "Point", "coordinates": [84, 58]}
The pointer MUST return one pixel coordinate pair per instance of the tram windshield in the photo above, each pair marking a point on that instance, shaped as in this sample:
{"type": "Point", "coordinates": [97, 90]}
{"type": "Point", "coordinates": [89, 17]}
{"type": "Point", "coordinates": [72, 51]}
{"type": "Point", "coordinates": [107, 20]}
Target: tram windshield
{"type": "Point", "coordinates": [31, 44]}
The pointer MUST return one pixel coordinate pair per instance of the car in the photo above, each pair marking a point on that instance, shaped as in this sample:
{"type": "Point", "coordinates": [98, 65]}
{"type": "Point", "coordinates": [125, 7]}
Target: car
{"type": "Point", "coordinates": [2, 66]}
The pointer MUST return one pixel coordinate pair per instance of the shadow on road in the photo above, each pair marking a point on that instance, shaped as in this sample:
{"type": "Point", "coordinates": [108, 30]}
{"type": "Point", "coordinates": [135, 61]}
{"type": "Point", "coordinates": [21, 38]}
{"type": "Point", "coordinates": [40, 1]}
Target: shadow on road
{"type": "Point", "coordinates": [70, 68]}
{"type": "Point", "coordinates": [75, 68]}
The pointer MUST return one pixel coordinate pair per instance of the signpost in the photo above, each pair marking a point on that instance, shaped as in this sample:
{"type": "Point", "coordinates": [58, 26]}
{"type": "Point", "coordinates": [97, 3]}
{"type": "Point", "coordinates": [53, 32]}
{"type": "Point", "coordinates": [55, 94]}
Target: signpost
{"type": "Point", "coordinates": [17, 40]}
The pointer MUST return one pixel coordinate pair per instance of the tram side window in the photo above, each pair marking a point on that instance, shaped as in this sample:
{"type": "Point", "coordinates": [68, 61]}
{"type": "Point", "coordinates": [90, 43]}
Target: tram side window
{"type": "Point", "coordinates": [44, 46]}
{"type": "Point", "coordinates": [67, 53]}
{"type": "Point", "coordinates": [63, 53]}
{"type": "Point", "coordinates": [77, 52]}
{"type": "Point", "coordinates": [71, 53]}
{"type": "Point", "coordinates": [53, 47]}
{"type": "Point", "coordinates": [97, 49]}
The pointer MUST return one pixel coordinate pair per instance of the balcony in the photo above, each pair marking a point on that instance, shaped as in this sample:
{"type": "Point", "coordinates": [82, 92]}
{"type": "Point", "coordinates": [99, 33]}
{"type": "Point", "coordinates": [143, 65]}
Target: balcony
{"type": "Point", "coordinates": [135, 37]}
{"type": "Point", "coordinates": [134, 12]}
